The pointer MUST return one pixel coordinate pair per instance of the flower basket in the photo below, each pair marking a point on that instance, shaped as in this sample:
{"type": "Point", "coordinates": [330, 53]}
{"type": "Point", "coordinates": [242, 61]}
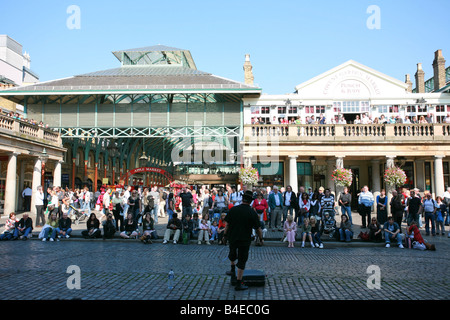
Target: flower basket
{"type": "Point", "coordinates": [248, 176]}
{"type": "Point", "coordinates": [342, 177]}
{"type": "Point", "coordinates": [395, 176]}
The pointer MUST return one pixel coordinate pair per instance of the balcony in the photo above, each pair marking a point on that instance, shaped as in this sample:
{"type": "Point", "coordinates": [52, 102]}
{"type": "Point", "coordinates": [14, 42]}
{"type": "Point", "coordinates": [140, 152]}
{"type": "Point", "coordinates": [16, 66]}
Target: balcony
{"type": "Point", "coordinates": [25, 130]}
{"type": "Point", "coordinates": [349, 133]}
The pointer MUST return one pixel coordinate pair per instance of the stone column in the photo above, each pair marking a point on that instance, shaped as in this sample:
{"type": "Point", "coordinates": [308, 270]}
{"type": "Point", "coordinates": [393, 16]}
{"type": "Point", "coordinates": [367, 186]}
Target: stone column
{"type": "Point", "coordinates": [293, 177]}
{"type": "Point", "coordinates": [37, 171]}
{"type": "Point", "coordinates": [376, 187]}
{"type": "Point", "coordinates": [340, 162]}
{"type": "Point", "coordinates": [10, 188]}
{"type": "Point", "coordinates": [57, 174]}
{"type": "Point", "coordinates": [20, 200]}
{"type": "Point", "coordinates": [439, 176]}
{"type": "Point", "coordinates": [247, 161]}
{"type": "Point", "coordinates": [330, 169]}
{"type": "Point", "coordinates": [389, 164]}
{"type": "Point", "coordinates": [420, 175]}
{"type": "Point", "coordinates": [339, 189]}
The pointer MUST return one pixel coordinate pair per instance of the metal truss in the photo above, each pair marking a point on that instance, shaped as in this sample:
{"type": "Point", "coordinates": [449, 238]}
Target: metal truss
{"type": "Point", "coordinates": [150, 132]}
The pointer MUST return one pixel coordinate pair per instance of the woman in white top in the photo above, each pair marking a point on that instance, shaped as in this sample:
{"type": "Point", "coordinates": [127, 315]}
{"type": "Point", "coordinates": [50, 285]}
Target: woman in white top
{"type": "Point", "coordinates": [221, 201]}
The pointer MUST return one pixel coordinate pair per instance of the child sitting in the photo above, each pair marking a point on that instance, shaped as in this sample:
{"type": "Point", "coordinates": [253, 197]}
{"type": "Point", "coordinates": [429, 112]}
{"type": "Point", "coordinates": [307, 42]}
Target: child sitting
{"type": "Point", "coordinates": [306, 232]}
{"type": "Point", "coordinates": [214, 230]}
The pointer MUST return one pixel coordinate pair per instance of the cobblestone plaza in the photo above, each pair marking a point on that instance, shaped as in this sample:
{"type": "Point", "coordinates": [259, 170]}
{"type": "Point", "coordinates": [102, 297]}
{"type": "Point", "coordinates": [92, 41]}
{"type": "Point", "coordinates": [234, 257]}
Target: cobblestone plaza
{"type": "Point", "coordinates": [129, 270]}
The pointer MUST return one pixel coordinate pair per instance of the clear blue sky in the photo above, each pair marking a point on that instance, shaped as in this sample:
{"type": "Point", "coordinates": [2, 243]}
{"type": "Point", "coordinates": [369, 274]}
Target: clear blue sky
{"type": "Point", "coordinates": [289, 41]}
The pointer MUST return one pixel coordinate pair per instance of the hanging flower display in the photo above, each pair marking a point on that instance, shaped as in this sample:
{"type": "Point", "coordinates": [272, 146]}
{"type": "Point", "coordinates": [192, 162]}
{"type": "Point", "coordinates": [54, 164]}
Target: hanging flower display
{"type": "Point", "coordinates": [395, 176]}
{"type": "Point", "coordinates": [342, 177]}
{"type": "Point", "coordinates": [248, 176]}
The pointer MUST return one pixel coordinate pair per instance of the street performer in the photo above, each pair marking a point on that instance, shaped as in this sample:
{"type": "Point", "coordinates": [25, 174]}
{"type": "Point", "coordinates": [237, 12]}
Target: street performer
{"type": "Point", "coordinates": [241, 220]}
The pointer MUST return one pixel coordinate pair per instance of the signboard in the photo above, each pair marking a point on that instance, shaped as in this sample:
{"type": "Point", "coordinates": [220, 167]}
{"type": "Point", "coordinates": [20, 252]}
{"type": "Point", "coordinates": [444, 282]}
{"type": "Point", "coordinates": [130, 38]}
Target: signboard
{"type": "Point", "coordinates": [146, 169]}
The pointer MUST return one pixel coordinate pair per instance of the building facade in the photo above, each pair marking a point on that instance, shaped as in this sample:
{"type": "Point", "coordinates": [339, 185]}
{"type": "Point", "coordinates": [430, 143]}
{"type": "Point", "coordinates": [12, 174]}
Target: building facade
{"type": "Point", "coordinates": [155, 110]}
{"type": "Point", "coordinates": [347, 103]}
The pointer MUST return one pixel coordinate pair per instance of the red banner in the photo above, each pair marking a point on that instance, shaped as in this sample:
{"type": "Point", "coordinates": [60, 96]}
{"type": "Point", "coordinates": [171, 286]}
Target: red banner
{"type": "Point", "coordinates": [147, 169]}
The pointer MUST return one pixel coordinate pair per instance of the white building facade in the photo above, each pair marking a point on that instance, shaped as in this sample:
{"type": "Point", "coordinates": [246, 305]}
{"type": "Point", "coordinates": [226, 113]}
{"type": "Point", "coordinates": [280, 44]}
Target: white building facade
{"type": "Point", "coordinates": [308, 153]}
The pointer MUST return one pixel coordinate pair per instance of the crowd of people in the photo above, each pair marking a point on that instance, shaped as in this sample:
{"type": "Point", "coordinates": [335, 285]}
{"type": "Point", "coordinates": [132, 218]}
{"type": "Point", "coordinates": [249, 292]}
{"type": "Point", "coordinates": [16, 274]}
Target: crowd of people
{"type": "Point", "coordinates": [200, 214]}
{"type": "Point", "coordinates": [364, 118]}
{"type": "Point", "coordinates": [20, 117]}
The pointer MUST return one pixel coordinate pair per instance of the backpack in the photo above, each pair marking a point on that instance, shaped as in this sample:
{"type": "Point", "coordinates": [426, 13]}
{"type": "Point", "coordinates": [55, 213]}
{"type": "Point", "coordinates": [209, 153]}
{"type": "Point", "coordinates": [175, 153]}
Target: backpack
{"type": "Point", "coordinates": [150, 202]}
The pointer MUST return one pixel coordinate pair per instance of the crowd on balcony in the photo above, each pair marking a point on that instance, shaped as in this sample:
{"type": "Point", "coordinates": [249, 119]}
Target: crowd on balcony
{"type": "Point", "coordinates": [365, 118]}
{"type": "Point", "coordinates": [20, 117]}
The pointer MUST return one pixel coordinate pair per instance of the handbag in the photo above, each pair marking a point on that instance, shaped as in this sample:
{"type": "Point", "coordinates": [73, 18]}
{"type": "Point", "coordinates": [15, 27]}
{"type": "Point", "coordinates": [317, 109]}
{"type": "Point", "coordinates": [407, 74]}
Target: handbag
{"type": "Point", "coordinates": [364, 236]}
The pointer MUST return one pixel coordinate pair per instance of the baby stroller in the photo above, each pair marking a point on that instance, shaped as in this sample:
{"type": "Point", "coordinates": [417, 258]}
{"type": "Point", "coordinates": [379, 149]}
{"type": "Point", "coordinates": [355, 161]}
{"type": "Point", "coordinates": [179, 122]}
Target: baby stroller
{"type": "Point", "coordinates": [217, 212]}
{"type": "Point", "coordinates": [76, 215]}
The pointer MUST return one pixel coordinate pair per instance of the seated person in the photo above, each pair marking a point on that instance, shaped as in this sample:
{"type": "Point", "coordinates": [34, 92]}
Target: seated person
{"type": "Point", "coordinates": [64, 227]}
{"type": "Point", "coordinates": [214, 231]}
{"type": "Point", "coordinates": [93, 228]}
{"type": "Point", "coordinates": [188, 227]}
{"type": "Point", "coordinates": [205, 228]}
{"type": "Point", "coordinates": [10, 226]}
{"type": "Point", "coordinates": [109, 227]}
{"type": "Point", "coordinates": [345, 230]}
{"type": "Point", "coordinates": [305, 231]}
{"type": "Point", "coordinates": [23, 228]}
{"type": "Point", "coordinates": [195, 223]}
{"type": "Point", "coordinates": [130, 227]}
{"type": "Point", "coordinates": [290, 229]}
{"type": "Point", "coordinates": [316, 232]}
{"type": "Point", "coordinates": [221, 229]}
{"type": "Point", "coordinates": [263, 226]}
{"type": "Point", "coordinates": [375, 231]}
{"type": "Point", "coordinates": [49, 230]}
{"type": "Point", "coordinates": [392, 232]}
{"type": "Point", "coordinates": [148, 228]}
{"type": "Point", "coordinates": [173, 228]}
{"type": "Point", "coordinates": [418, 242]}
{"type": "Point", "coordinates": [328, 225]}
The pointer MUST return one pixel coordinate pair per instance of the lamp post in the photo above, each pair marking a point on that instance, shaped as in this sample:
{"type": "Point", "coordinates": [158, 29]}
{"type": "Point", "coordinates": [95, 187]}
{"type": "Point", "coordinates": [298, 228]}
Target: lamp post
{"type": "Point", "coordinates": [44, 158]}
{"type": "Point", "coordinates": [313, 163]}
{"type": "Point", "coordinates": [143, 162]}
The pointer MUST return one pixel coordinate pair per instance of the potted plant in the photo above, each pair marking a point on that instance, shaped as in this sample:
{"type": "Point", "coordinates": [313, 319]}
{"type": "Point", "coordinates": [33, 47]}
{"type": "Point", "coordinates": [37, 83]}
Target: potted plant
{"type": "Point", "coordinates": [248, 176]}
{"type": "Point", "coordinates": [342, 177]}
{"type": "Point", "coordinates": [395, 176]}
